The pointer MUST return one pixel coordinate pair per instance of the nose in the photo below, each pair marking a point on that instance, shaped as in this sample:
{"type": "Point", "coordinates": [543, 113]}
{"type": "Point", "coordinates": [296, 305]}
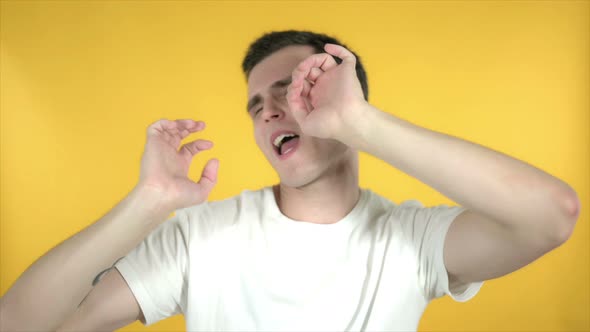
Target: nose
{"type": "Point", "coordinates": [272, 111]}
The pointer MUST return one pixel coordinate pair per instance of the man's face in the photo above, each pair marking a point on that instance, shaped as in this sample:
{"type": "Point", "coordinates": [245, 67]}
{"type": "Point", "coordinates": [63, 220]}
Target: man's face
{"type": "Point", "coordinates": [298, 159]}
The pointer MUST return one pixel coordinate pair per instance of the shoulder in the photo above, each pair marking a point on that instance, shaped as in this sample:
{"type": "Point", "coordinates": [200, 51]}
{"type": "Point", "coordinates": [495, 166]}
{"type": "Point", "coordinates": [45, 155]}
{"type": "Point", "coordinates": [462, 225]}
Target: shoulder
{"type": "Point", "coordinates": [412, 216]}
{"type": "Point", "coordinates": [227, 211]}
{"type": "Point", "coordinates": [380, 206]}
{"type": "Point", "coordinates": [422, 223]}
{"type": "Point", "coordinates": [412, 210]}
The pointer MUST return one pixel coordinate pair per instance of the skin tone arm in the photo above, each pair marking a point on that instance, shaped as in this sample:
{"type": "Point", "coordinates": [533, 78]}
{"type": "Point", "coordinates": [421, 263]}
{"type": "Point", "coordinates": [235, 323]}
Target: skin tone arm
{"type": "Point", "coordinates": [51, 289]}
{"type": "Point", "coordinates": [515, 212]}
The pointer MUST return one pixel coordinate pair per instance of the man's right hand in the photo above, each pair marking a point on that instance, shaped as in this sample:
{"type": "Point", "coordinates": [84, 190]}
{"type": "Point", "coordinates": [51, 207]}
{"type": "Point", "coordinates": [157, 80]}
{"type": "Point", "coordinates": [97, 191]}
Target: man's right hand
{"type": "Point", "coordinates": [164, 166]}
{"type": "Point", "coordinates": [66, 271]}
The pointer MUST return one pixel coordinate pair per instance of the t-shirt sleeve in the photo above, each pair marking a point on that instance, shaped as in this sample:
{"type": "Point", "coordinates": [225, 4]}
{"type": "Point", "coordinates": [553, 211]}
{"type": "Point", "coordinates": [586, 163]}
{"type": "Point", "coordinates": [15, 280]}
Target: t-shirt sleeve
{"type": "Point", "coordinates": [428, 229]}
{"type": "Point", "coordinates": [156, 270]}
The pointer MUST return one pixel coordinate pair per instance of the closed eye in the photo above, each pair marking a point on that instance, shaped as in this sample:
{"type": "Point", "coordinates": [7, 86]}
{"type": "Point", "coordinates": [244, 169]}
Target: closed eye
{"type": "Point", "coordinates": [254, 111]}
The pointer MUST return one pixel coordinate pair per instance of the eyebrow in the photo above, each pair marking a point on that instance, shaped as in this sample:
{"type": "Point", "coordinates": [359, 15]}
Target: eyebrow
{"type": "Point", "coordinates": [257, 98]}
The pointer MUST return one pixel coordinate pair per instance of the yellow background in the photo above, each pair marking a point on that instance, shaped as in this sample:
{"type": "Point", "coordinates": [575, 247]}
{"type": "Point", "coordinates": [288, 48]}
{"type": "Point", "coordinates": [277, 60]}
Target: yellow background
{"type": "Point", "coordinates": [80, 81]}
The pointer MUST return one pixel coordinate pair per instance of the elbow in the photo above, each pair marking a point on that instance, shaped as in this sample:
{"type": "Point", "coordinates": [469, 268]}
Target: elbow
{"type": "Point", "coordinates": [569, 210]}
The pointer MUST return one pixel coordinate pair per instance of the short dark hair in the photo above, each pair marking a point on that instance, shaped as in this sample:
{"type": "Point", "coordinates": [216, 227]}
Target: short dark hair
{"type": "Point", "coordinates": [274, 41]}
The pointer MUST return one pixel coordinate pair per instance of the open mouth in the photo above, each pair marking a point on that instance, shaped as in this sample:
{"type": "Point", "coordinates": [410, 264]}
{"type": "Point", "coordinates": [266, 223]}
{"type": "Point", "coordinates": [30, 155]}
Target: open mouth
{"type": "Point", "coordinates": [285, 143]}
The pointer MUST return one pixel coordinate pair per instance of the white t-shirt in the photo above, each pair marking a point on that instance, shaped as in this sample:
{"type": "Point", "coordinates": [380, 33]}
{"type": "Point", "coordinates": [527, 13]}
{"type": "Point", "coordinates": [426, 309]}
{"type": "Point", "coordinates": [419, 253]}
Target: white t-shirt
{"type": "Point", "coordinates": [241, 265]}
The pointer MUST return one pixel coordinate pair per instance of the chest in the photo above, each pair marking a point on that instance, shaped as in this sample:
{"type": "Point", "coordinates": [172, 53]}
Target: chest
{"type": "Point", "coordinates": [303, 283]}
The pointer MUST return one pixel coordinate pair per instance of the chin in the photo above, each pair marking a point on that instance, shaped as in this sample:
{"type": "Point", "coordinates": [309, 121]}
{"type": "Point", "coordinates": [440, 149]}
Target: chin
{"type": "Point", "coordinates": [304, 172]}
{"type": "Point", "coordinates": [301, 177]}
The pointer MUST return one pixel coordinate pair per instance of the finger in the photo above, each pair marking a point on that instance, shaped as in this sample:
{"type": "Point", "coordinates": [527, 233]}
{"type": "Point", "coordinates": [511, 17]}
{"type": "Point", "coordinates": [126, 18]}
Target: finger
{"type": "Point", "coordinates": [314, 73]}
{"type": "Point", "coordinates": [341, 52]}
{"type": "Point", "coordinates": [322, 61]}
{"type": "Point", "coordinates": [190, 149]}
{"type": "Point", "coordinates": [329, 63]}
{"type": "Point", "coordinates": [183, 128]}
{"type": "Point", "coordinates": [209, 176]}
{"type": "Point", "coordinates": [192, 128]}
{"type": "Point", "coordinates": [173, 127]}
{"type": "Point", "coordinates": [306, 89]}
{"type": "Point", "coordinates": [159, 126]}
{"type": "Point", "coordinates": [183, 133]}
{"type": "Point", "coordinates": [190, 124]}
{"type": "Point", "coordinates": [300, 108]}
{"type": "Point", "coordinates": [167, 124]}
{"type": "Point", "coordinates": [296, 101]}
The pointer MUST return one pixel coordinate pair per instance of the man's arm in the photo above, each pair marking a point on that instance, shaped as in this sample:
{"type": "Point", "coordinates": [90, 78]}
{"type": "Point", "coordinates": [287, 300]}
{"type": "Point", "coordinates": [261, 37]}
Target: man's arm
{"type": "Point", "coordinates": [51, 289]}
{"type": "Point", "coordinates": [109, 306]}
{"type": "Point", "coordinates": [515, 212]}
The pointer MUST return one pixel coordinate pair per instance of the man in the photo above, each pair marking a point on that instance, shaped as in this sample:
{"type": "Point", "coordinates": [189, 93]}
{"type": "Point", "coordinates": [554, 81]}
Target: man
{"type": "Point", "coordinates": [315, 252]}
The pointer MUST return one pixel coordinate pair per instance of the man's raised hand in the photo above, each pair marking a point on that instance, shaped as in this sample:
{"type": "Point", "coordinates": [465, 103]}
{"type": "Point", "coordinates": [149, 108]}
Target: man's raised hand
{"type": "Point", "coordinates": [165, 164]}
{"type": "Point", "coordinates": [326, 98]}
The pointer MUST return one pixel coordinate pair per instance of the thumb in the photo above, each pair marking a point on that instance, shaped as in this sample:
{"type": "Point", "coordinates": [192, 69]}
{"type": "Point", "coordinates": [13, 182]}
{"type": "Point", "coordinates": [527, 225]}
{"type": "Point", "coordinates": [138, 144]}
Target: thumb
{"type": "Point", "coordinates": [209, 175]}
{"type": "Point", "coordinates": [207, 181]}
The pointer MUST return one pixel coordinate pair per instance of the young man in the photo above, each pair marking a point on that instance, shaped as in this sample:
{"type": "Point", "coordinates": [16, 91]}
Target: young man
{"type": "Point", "coordinates": [315, 252]}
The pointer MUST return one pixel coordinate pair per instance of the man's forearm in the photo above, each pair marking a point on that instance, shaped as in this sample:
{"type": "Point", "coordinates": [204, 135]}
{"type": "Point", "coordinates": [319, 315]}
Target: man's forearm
{"type": "Point", "coordinates": [49, 291]}
{"type": "Point", "coordinates": [486, 181]}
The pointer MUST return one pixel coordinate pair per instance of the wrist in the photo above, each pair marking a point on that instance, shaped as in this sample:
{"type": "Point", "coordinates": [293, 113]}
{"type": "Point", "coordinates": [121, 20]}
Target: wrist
{"type": "Point", "coordinates": [357, 133]}
{"type": "Point", "coordinates": [151, 200]}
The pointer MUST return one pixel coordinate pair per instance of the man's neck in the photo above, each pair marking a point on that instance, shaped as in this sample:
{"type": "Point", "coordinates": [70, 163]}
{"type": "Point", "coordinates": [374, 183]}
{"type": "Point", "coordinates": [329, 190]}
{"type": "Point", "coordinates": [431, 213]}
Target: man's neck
{"type": "Point", "coordinates": [325, 201]}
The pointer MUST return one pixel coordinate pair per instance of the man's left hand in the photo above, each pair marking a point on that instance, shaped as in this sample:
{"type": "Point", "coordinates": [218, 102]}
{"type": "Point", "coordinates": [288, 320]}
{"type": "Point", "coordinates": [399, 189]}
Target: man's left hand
{"type": "Point", "coordinates": [325, 97]}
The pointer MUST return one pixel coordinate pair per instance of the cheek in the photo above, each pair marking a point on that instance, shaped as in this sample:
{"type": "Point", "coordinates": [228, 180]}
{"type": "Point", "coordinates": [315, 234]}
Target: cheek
{"type": "Point", "coordinates": [258, 137]}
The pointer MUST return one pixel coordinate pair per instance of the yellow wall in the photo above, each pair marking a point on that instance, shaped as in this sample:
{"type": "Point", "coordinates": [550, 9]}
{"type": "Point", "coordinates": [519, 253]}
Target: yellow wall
{"type": "Point", "coordinates": [80, 81]}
